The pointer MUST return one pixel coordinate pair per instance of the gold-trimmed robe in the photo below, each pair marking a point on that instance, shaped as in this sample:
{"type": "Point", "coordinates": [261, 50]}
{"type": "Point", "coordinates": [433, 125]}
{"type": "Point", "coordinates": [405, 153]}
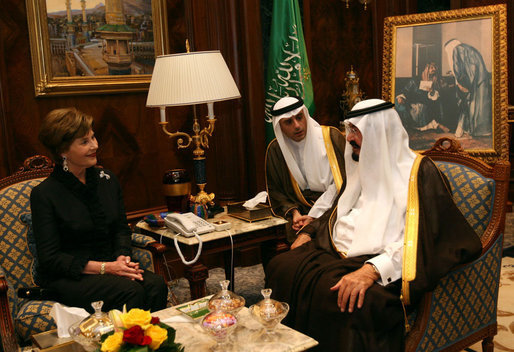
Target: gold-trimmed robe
{"type": "Point", "coordinates": [284, 194]}
{"type": "Point", "coordinates": [302, 277]}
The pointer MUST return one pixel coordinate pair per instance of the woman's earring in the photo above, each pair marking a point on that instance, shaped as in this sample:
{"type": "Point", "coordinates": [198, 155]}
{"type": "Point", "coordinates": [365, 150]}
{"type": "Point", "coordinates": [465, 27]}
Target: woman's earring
{"type": "Point", "coordinates": [64, 164]}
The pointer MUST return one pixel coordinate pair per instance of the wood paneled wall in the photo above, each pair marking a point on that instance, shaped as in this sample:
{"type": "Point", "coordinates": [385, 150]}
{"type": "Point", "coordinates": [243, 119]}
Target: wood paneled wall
{"type": "Point", "coordinates": [132, 144]}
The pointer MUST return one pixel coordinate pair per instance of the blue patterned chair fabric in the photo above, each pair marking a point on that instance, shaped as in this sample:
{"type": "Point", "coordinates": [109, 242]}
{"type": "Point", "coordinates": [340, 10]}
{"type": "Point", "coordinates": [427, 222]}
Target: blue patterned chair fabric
{"type": "Point", "coordinates": [472, 193]}
{"type": "Point", "coordinates": [461, 310]}
{"type": "Point", "coordinates": [17, 260]}
{"type": "Point", "coordinates": [454, 316]}
{"type": "Point", "coordinates": [139, 252]}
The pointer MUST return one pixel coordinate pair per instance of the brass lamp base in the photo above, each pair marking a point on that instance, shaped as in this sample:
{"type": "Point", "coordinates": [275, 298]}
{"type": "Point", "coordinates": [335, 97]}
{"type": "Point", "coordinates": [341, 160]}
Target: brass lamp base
{"type": "Point", "coordinates": [202, 198]}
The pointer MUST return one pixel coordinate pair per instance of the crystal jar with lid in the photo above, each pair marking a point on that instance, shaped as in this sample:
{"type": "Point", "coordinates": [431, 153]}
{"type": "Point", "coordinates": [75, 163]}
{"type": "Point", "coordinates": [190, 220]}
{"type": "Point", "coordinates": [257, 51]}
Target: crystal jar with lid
{"type": "Point", "coordinates": [226, 300]}
{"type": "Point", "coordinates": [219, 325]}
{"type": "Point", "coordinates": [89, 331]}
{"type": "Point", "coordinates": [269, 313]}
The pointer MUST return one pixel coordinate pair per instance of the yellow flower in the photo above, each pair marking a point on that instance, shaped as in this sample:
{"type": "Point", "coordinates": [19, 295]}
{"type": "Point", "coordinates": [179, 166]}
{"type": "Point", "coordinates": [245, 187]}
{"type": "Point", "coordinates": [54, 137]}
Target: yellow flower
{"type": "Point", "coordinates": [136, 316]}
{"type": "Point", "coordinates": [112, 343]}
{"type": "Point", "coordinates": [115, 316]}
{"type": "Point", "coordinates": [158, 335]}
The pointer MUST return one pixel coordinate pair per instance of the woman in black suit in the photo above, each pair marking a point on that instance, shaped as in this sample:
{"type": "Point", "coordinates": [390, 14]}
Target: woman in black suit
{"type": "Point", "coordinates": [82, 237]}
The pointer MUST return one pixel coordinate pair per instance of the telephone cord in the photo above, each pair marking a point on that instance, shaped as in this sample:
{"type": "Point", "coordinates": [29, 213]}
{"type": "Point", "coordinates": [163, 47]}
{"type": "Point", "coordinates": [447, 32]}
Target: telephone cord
{"type": "Point", "coordinates": [200, 251]}
{"type": "Point", "coordinates": [200, 244]}
{"type": "Point", "coordinates": [231, 257]}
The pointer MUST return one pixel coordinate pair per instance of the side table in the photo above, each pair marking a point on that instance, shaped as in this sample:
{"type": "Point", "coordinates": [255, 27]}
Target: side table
{"type": "Point", "coordinates": [244, 234]}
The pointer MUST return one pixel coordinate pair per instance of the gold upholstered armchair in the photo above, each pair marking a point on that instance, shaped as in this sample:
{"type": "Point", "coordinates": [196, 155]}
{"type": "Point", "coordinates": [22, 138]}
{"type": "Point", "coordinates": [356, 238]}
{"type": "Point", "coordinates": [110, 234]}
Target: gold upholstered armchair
{"type": "Point", "coordinates": [23, 316]}
{"type": "Point", "coordinates": [461, 310]}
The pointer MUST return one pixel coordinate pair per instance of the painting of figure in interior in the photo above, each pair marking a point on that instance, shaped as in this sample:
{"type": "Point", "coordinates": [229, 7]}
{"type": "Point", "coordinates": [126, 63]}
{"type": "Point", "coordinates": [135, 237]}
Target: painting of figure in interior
{"type": "Point", "coordinates": [443, 82]}
{"type": "Point", "coordinates": [100, 37]}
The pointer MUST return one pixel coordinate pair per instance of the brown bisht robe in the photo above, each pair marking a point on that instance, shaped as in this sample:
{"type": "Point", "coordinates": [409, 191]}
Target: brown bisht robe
{"type": "Point", "coordinates": [283, 191]}
{"type": "Point", "coordinates": [302, 277]}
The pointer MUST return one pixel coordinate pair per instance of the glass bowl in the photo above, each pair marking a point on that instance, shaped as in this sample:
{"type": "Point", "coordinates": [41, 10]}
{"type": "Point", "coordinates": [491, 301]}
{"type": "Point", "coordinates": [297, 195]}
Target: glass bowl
{"type": "Point", "coordinates": [226, 300]}
{"type": "Point", "coordinates": [219, 325]}
{"type": "Point", "coordinates": [88, 331]}
{"type": "Point", "coordinates": [269, 313]}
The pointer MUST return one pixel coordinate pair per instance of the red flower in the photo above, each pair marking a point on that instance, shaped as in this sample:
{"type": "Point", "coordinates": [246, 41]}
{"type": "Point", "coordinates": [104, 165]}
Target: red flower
{"type": "Point", "coordinates": [155, 320]}
{"type": "Point", "coordinates": [136, 336]}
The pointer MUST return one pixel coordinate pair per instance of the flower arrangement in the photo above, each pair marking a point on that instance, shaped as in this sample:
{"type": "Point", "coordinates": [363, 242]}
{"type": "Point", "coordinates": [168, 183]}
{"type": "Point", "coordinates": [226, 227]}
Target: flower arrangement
{"type": "Point", "coordinates": [138, 331]}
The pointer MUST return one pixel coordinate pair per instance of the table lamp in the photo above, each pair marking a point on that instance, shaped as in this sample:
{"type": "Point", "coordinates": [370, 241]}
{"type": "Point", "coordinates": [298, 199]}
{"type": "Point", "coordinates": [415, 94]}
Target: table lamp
{"type": "Point", "coordinates": [192, 78]}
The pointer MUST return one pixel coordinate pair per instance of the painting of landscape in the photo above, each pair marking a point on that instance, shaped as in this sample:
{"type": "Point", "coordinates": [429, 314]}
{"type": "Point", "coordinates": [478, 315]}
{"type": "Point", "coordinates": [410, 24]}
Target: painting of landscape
{"type": "Point", "coordinates": [100, 37]}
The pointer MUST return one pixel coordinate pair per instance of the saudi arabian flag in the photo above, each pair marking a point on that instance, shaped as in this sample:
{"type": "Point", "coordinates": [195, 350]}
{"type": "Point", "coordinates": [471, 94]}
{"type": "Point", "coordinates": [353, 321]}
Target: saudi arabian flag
{"type": "Point", "coordinates": [288, 65]}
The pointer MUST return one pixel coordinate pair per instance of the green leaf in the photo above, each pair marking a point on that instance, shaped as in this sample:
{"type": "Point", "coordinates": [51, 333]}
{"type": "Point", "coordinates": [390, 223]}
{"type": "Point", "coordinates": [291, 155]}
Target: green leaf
{"type": "Point", "coordinates": [105, 336]}
{"type": "Point", "coordinates": [137, 348]}
{"type": "Point", "coordinates": [125, 347]}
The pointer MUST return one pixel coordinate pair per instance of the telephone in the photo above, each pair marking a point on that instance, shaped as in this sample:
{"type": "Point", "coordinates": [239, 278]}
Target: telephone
{"type": "Point", "coordinates": [188, 224]}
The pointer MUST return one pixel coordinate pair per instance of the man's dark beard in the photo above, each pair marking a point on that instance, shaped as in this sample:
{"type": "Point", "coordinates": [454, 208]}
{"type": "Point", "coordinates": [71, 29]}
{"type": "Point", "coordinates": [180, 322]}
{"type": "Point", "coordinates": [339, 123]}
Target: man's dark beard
{"type": "Point", "coordinates": [354, 144]}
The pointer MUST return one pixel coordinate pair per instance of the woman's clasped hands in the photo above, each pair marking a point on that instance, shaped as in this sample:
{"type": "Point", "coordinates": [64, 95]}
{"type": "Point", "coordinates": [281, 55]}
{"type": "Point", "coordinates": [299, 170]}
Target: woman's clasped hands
{"type": "Point", "coordinates": [123, 266]}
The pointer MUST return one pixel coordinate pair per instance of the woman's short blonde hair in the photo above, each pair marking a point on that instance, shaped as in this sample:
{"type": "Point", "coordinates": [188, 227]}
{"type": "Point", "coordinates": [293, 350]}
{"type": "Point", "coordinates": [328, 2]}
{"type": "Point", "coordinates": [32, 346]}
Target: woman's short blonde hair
{"type": "Point", "coordinates": [61, 127]}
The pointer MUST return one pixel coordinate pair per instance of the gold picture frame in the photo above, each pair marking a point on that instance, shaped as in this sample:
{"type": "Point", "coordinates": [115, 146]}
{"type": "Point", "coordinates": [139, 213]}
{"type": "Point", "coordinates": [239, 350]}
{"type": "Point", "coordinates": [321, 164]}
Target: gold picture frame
{"type": "Point", "coordinates": [90, 72]}
{"type": "Point", "coordinates": [446, 72]}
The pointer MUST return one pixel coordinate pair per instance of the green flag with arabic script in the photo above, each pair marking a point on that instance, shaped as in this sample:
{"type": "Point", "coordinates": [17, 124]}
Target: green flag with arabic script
{"type": "Point", "coordinates": [288, 65]}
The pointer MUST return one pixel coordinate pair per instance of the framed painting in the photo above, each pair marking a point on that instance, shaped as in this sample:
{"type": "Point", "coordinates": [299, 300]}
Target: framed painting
{"type": "Point", "coordinates": [446, 72]}
{"type": "Point", "coordinates": [95, 46]}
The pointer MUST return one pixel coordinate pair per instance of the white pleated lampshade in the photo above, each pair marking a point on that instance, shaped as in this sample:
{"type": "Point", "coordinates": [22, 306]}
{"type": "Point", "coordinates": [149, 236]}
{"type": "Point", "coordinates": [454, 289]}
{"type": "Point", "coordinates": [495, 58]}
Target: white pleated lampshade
{"type": "Point", "coordinates": [191, 78]}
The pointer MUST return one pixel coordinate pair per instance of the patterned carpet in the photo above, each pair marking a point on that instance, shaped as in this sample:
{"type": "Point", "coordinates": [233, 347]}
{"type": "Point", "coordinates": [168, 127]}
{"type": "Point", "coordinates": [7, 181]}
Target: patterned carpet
{"type": "Point", "coordinates": [248, 283]}
{"type": "Point", "coordinates": [250, 280]}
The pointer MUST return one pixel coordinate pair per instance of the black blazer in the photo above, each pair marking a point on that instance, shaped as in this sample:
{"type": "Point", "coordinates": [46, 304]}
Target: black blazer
{"type": "Point", "coordinates": [75, 222]}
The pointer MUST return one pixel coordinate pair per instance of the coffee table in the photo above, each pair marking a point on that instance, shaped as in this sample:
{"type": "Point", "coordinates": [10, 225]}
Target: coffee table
{"type": "Point", "coordinates": [244, 234]}
{"type": "Point", "coordinates": [245, 337]}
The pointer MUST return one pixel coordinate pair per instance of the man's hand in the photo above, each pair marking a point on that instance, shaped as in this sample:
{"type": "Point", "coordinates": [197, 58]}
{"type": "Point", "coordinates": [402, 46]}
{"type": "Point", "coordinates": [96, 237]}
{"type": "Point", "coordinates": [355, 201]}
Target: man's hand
{"type": "Point", "coordinates": [353, 286]}
{"type": "Point", "coordinates": [302, 221]}
{"type": "Point", "coordinates": [301, 239]}
{"type": "Point", "coordinates": [296, 220]}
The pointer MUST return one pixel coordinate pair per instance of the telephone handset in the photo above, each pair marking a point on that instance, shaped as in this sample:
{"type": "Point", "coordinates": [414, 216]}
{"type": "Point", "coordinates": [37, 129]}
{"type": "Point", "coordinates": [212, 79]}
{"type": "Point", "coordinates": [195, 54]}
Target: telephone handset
{"type": "Point", "coordinates": [187, 224]}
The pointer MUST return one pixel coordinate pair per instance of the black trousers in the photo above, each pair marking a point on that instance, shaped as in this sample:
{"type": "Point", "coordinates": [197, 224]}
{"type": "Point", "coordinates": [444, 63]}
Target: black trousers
{"type": "Point", "coordinates": [115, 291]}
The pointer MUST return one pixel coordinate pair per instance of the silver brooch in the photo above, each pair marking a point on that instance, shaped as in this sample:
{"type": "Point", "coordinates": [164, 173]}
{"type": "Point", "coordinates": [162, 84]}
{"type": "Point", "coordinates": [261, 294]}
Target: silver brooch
{"type": "Point", "coordinates": [103, 174]}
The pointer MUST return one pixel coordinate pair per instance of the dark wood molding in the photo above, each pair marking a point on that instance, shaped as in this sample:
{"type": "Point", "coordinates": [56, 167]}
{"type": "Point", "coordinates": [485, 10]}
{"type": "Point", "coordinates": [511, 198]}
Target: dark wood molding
{"type": "Point", "coordinates": [7, 32]}
{"type": "Point", "coordinates": [252, 62]}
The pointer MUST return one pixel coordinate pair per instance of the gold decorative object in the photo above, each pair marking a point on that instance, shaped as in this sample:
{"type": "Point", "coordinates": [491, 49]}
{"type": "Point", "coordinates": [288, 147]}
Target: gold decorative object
{"type": "Point", "coordinates": [363, 2]}
{"type": "Point", "coordinates": [200, 139]}
{"type": "Point", "coordinates": [352, 93]}
{"type": "Point", "coordinates": [188, 79]}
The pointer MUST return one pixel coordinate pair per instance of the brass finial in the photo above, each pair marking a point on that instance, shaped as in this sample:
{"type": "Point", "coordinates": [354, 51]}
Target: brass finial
{"type": "Point", "coordinates": [187, 45]}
